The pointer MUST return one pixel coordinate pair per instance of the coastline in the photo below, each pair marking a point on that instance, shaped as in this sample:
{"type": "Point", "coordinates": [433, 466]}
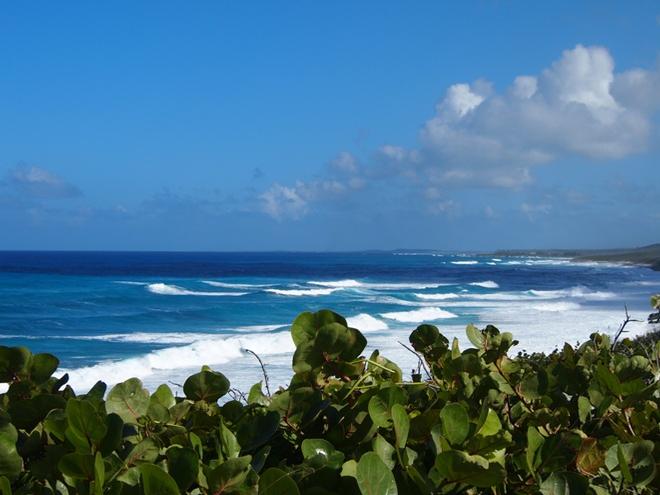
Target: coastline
{"type": "Point", "coordinates": [647, 256]}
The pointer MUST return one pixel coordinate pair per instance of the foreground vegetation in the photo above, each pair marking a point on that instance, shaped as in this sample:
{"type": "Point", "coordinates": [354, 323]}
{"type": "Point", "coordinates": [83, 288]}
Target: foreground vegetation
{"type": "Point", "coordinates": [580, 420]}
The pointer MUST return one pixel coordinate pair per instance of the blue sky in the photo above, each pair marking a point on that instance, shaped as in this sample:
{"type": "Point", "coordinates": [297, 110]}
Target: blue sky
{"type": "Point", "coordinates": [329, 125]}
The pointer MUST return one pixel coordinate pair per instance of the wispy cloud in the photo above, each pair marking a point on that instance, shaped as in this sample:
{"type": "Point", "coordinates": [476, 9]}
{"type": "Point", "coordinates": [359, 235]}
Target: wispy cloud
{"type": "Point", "coordinates": [38, 183]}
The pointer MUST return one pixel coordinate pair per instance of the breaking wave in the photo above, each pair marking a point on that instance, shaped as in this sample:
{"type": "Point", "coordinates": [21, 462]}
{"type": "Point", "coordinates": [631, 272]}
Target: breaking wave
{"type": "Point", "coordinates": [419, 315]}
{"type": "Point", "coordinates": [206, 351]}
{"type": "Point", "coordinates": [175, 290]}
{"type": "Point", "coordinates": [488, 284]}
{"type": "Point", "coordinates": [366, 323]}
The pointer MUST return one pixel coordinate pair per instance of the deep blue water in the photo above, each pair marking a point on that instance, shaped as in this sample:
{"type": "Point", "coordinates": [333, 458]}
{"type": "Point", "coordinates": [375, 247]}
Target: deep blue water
{"type": "Point", "coordinates": [161, 315]}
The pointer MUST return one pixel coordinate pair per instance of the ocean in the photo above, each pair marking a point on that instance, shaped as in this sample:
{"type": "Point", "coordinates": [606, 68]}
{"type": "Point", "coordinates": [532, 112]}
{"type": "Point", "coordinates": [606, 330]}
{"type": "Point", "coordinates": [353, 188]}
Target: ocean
{"type": "Point", "coordinates": [161, 316]}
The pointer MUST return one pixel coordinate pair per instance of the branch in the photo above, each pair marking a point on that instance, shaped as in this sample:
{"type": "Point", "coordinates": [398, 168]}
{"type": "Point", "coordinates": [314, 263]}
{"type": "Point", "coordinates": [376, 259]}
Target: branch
{"type": "Point", "coordinates": [622, 327]}
{"type": "Point", "coordinates": [421, 361]}
{"type": "Point", "coordinates": [263, 369]}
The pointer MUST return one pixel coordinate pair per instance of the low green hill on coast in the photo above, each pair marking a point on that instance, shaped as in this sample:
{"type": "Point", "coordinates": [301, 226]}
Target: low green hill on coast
{"type": "Point", "coordinates": [647, 255]}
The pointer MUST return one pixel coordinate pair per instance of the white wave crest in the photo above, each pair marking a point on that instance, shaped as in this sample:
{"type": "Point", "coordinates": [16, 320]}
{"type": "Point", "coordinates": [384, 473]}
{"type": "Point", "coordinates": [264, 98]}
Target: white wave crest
{"type": "Point", "coordinates": [488, 284]}
{"type": "Point", "coordinates": [419, 315]}
{"type": "Point", "coordinates": [436, 297]}
{"type": "Point", "coordinates": [207, 351]}
{"type": "Point", "coordinates": [302, 292]}
{"type": "Point", "coordinates": [467, 262]}
{"type": "Point", "coordinates": [366, 323]}
{"type": "Point", "coordinates": [228, 285]}
{"type": "Point", "coordinates": [356, 284]}
{"type": "Point", "coordinates": [174, 290]}
{"type": "Point", "coordinates": [574, 292]}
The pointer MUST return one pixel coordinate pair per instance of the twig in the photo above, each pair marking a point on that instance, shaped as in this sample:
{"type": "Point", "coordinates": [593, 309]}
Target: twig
{"type": "Point", "coordinates": [263, 369]}
{"type": "Point", "coordinates": [421, 361]}
{"type": "Point", "coordinates": [623, 325]}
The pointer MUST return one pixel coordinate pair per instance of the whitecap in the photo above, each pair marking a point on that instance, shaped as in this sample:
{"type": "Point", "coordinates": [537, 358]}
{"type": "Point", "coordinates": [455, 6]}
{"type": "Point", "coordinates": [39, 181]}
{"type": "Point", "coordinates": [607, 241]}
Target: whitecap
{"type": "Point", "coordinates": [208, 351]}
{"type": "Point", "coordinates": [488, 284]}
{"type": "Point", "coordinates": [468, 262]}
{"type": "Point", "coordinates": [174, 290]}
{"type": "Point", "coordinates": [228, 285]}
{"type": "Point", "coordinates": [366, 323]}
{"type": "Point", "coordinates": [302, 292]}
{"type": "Point", "coordinates": [419, 315]}
{"type": "Point", "coordinates": [436, 297]}
{"type": "Point", "coordinates": [355, 284]}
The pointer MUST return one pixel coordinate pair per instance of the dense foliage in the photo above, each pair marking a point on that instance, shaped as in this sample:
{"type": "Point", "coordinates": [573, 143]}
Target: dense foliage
{"type": "Point", "coordinates": [580, 420]}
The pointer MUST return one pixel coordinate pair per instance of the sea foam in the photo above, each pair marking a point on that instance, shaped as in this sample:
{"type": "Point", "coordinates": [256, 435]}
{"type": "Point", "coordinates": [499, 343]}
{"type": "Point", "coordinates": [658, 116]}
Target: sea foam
{"type": "Point", "coordinates": [419, 315]}
{"type": "Point", "coordinates": [366, 323]}
{"type": "Point", "coordinates": [207, 351]}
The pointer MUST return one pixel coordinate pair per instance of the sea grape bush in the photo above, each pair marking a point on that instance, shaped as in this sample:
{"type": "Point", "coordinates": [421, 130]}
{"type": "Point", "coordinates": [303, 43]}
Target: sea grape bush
{"type": "Point", "coordinates": [580, 420]}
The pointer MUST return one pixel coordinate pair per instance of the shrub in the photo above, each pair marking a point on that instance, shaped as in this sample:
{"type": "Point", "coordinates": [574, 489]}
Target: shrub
{"type": "Point", "coordinates": [580, 420]}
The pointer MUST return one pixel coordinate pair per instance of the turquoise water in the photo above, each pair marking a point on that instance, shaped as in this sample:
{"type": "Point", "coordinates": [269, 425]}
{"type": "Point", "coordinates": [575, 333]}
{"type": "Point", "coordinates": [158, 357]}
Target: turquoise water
{"type": "Point", "coordinates": [160, 316]}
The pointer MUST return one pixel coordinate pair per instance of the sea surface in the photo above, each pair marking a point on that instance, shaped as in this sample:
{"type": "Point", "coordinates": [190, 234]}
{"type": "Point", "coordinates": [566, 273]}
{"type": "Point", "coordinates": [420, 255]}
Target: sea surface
{"type": "Point", "coordinates": [161, 316]}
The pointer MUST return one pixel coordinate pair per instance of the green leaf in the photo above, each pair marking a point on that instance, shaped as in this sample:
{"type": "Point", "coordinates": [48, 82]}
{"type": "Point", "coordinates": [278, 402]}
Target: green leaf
{"type": "Point", "coordinates": [5, 486]}
{"type": "Point", "coordinates": [401, 425]}
{"type": "Point", "coordinates": [455, 423]}
{"type": "Point", "coordinates": [255, 430]}
{"type": "Point", "coordinates": [228, 443]}
{"type": "Point", "coordinates": [156, 481]}
{"type": "Point", "coordinates": [145, 451]}
{"type": "Point", "coordinates": [306, 325]}
{"type": "Point", "coordinates": [379, 412]}
{"type": "Point", "coordinates": [11, 463]}
{"type": "Point", "coordinates": [565, 483]}
{"type": "Point", "coordinates": [77, 466]}
{"type": "Point", "coordinates": [623, 464]}
{"type": "Point", "coordinates": [206, 385]}
{"type": "Point", "coordinates": [373, 476]}
{"type": "Point", "coordinates": [229, 475]}
{"type": "Point", "coordinates": [182, 465]}
{"type": "Point", "coordinates": [13, 361]}
{"type": "Point", "coordinates": [491, 425]}
{"type": "Point", "coordinates": [256, 396]}
{"type": "Point", "coordinates": [322, 453]}
{"type": "Point", "coordinates": [86, 426]}
{"type": "Point", "coordinates": [99, 474]}
{"type": "Point", "coordinates": [584, 408]}
{"type": "Point", "coordinates": [129, 400]}
{"type": "Point", "coordinates": [274, 481]}
{"type": "Point", "coordinates": [384, 450]}
{"type": "Point", "coordinates": [42, 366]}
{"type": "Point", "coordinates": [459, 467]}
{"type": "Point", "coordinates": [534, 443]}
{"type": "Point", "coordinates": [475, 336]}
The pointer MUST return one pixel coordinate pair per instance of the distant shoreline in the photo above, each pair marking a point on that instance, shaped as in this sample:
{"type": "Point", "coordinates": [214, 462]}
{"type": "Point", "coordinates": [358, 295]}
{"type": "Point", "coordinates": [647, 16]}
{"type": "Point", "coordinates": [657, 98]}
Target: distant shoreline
{"type": "Point", "coordinates": [648, 256]}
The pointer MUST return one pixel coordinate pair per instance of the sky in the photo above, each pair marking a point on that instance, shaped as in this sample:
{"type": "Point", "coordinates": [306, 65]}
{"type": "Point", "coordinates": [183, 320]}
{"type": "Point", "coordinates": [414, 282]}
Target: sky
{"type": "Point", "coordinates": [343, 125]}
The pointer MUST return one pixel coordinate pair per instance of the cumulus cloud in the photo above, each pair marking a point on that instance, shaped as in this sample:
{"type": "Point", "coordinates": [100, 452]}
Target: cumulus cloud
{"type": "Point", "coordinates": [342, 176]}
{"type": "Point", "coordinates": [579, 106]}
{"type": "Point", "coordinates": [281, 202]}
{"type": "Point", "coordinates": [576, 107]}
{"type": "Point", "coordinates": [38, 183]}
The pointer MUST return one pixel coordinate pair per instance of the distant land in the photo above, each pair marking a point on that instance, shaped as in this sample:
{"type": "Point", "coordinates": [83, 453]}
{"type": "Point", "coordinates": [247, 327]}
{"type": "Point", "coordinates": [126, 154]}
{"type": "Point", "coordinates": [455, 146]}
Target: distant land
{"type": "Point", "coordinates": [647, 255]}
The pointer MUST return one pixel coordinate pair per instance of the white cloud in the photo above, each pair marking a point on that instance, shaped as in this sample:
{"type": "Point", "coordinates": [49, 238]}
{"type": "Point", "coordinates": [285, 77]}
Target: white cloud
{"type": "Point", "coordinates": [281, 202]}
{"type": "Point", "coordinates": [533, 211]}
{"type": "Point", "coordinates": [577, 106]}
{"type": "Point", "coordinates": [344, 163]}
{"type": "Point", "coordinates": [39, 183]}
